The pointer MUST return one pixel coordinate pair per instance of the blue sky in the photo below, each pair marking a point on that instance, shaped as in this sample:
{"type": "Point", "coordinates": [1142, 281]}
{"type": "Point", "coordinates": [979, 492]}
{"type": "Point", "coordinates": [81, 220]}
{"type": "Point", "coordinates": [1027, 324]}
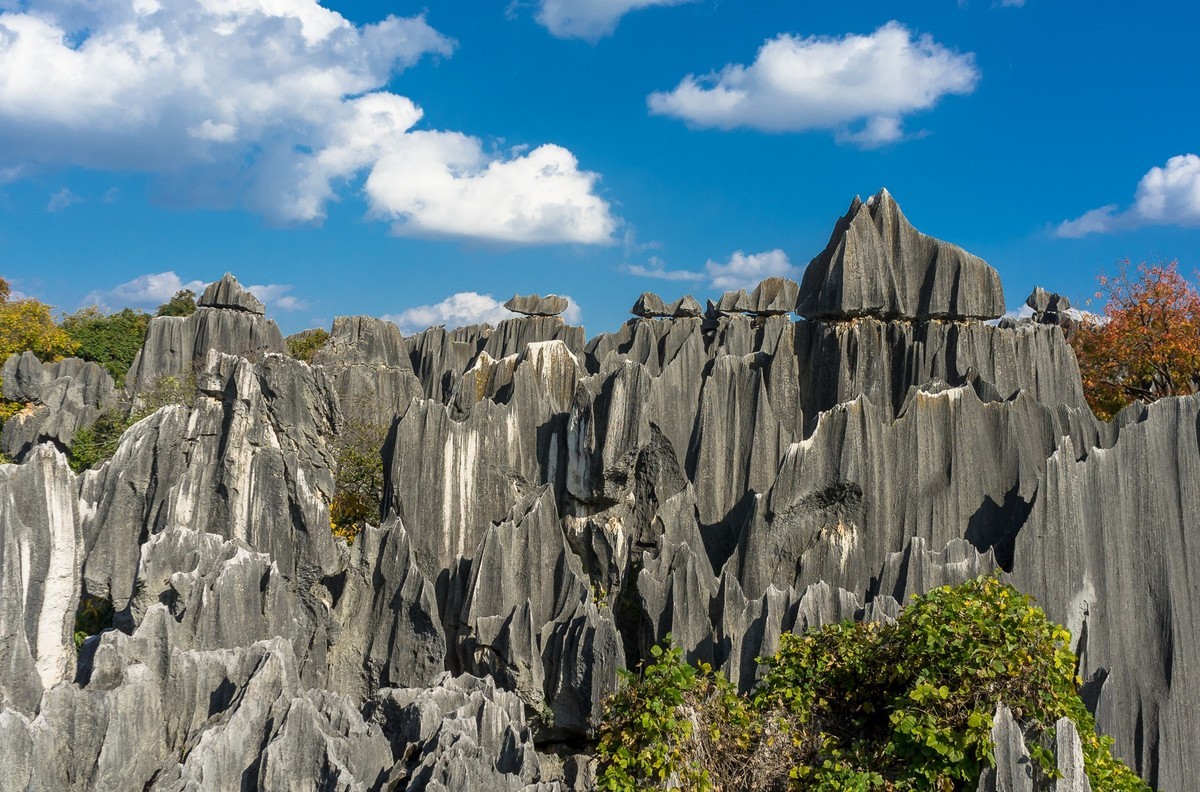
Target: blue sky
{"type": "Point", "coordinates": [423, 163]}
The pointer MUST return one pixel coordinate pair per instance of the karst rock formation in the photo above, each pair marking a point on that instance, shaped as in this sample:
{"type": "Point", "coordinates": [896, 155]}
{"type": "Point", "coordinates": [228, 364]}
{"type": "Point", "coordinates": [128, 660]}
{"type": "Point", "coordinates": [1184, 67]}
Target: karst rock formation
{"type": "Point", "coordinates": [554, 506]}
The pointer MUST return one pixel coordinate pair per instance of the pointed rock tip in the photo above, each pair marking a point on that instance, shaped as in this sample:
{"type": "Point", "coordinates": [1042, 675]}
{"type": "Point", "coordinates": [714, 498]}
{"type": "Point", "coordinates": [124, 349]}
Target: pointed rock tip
{"type": "Point", "coordinates": [228, 293]}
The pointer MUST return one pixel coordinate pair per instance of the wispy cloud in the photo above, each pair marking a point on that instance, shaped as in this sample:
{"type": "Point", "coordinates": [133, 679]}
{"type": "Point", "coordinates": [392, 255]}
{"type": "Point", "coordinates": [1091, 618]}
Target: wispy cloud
{"type": "Point", "coordinates": [61, 200]}
{"type": "Point", "coordinates": [658, 270]}
{"type": "Point", "coordinates": [861, 87]}
{"type": "Point", "coordinates": [1167, 195]}
{"type": "Point", "coordinates": [740, 271]}
{"type": "Point", "coordinates": [590, 19]}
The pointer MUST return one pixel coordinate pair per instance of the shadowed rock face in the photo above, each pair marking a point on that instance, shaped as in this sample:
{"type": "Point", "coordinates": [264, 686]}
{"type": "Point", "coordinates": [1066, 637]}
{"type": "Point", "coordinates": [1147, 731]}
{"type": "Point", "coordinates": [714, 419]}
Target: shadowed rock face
{"type": "Point", "coordinates": [554, 506]}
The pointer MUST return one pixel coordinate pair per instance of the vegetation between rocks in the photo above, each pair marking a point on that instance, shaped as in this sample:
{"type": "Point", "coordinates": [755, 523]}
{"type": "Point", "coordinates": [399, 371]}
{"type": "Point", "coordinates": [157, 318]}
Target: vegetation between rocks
{"type": "Point", "coordinates": [98, 442]}
{"type": "Point", "coordinates": [862, 705]}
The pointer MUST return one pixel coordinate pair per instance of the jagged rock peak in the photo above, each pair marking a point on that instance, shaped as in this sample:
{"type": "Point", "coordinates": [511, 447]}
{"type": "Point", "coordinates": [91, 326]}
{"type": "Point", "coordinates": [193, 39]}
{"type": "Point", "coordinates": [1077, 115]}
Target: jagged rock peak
{"type": "Point", "coordinates": [685, 307]}
{"type": "Point", "coordinates": [877, 264]}
{"type": "Point", "coordinates": [773, 296]}
{"type": "Point", "coordinates": [537, 305]}
{"type": "Point", "coordinates": [228, 293]}
{"type": "Point", "coordinates": [1042, 301]}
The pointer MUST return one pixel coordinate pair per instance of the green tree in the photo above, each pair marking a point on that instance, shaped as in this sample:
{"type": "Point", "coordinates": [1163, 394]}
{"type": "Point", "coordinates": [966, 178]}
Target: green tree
{"type": "Point", "coordinates": [182, 304]}
{"type": "Point", "coordinates": [27, 324]}
{"type": "Point", "coordinates": [112, 340]}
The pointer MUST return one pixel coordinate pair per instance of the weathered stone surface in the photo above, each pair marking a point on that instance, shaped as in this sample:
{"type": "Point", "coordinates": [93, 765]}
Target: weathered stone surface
{"type": "Point", "coordinates": [775, 296]}
{"type": "Point", "coordinates": [1042, 301]}
{"type": "Point", "coordinates": [228, 293]}
{"type": "Point", "coordinates": [41, 551]}
{"type": "Point", "coordinates": [685, 307]}
{"type": "Point", "coordinates": [877, 264]}
{"type": "Point", "coordinates": [64, 397]}
{"type": "Point", "coordinates": [552, 510]}
{"type": "Point", "coordinates": [536, 305]}
{"type": "Point", "coordinates": [650, 306]}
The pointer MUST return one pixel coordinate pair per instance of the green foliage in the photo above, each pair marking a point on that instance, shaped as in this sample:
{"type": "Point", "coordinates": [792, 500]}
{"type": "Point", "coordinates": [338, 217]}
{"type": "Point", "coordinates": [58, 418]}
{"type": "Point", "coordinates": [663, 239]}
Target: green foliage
{"type": "Point", "coordinates": [182, 304]}
{"type": "Point", "coordinates": [28, 325]}
{"type": "Point", "coordinates": [96, 443]}
{"type": "Point", "coordinates": [112, 340]}
{"type": "Point", "coordinates": [303, 346]}
{"type": "Point", "coordinates": [358, 486]}
{"type": "Point", "coordinates": [865, 706]}
{"type": "Point", "coordinates": [675, 723]}
{"type": "Point", "coordinates": [94, 616]}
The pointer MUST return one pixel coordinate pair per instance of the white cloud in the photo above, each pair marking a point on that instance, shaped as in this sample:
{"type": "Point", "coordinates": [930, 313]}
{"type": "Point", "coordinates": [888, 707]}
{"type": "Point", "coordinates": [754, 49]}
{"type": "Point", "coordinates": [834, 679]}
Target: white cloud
{"type": "Point", "coordinates": [61, 200]}
{"type": "Point", "coordinates": [590, 19]}
{"type": "Point", "coordinates": [274, 105]}
{"type": "Point", "coordinates": [275, 295]}
{"type": "Point", "coordinates": [154, 289]}
{"type": "Point", "coordinates": [466, 308]}
{"type": "Point", "coordinates": [744, 272]}
{"type": "Point", "coordinates": [658, 269]}
{"type": "Point", "coordinates": [1169, 195]}
{"type": "Point", "coordinates": [149, 290]}
{"type": "Point", "coordinates": [859, 86]}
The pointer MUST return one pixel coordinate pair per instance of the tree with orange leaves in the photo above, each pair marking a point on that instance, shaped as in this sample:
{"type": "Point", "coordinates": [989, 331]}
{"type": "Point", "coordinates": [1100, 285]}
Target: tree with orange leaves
{"type": "Point", "coordinates": [1146, 345]}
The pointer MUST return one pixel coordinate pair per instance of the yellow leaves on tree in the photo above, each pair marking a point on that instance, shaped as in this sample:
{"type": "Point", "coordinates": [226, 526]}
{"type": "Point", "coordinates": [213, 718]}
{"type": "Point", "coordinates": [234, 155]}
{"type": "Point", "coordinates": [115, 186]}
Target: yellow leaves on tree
{"type": "Point", "coordinates": [1146, 345]}
{"type": "Point", "coordinates": [27, 324]}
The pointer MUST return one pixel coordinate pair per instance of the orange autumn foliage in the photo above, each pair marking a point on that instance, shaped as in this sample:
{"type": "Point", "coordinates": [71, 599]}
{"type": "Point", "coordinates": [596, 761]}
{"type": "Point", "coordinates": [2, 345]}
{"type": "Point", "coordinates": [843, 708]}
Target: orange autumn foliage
{"type": "Point", "coordinates": [1147, 343]}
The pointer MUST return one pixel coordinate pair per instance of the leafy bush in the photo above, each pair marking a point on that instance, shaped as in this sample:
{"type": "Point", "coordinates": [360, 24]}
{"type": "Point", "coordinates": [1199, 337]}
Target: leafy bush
{"type": "Point", "coordinates": [182, 304]}
{"type": "Point", "coordinates": [96, 443]}
{"type": "Point", "coordinates": [862, 706]}
{"type": "Point", "coordinates": [359, 482]}
{"type": "Point", "coordinates": [304, 346]}
{"type": "Point", "coordinates": [28, 325]}
{"type": "Point", "coordinates": [112, 340]}
{"type": "Point", "coordinates": [94, 616]}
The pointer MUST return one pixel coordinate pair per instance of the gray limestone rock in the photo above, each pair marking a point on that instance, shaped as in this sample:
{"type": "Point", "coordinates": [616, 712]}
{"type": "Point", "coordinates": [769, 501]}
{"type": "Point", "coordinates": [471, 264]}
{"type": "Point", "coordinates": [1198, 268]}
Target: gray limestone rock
{"type": "Point", "coordinates": [775, 296]}
{"type": "Point", "coordinates": [41, 552]}
{"type": "Point", "coordinates": [536, 305]}
{"type": "Point", "coordinates": [228, 293]}
{"type": "Point", "coordinates": [64, 397]}
{"type": "Point", "coordinates": [685, 307]}
{"type": "Point", "coordinates": [650, 306]}
{"type": "Point", "coordinates": [877, 264]}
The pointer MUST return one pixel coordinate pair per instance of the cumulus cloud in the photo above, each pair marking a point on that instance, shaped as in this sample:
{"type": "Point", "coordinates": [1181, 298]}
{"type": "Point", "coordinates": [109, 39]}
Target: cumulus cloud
{"type": "Point", "coordinates": [1168, 195]}
{"type": "Point", "coordinates": [466, 308]}
{"type": "Point", "coordinates": [154, 289]}
{"type": "Point", "coordinates": [590, 19]}
{"type": "Point", "coordinates": [859, 86]}
{"type": "Point", "coordinates": [745, 271]}
{"type": "Point", "coordinates": [275, 106]}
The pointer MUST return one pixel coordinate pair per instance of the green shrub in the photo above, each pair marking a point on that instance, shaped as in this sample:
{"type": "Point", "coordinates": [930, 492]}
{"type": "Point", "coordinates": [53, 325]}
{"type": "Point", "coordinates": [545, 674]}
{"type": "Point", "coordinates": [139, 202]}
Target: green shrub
{"type": "Point", "coordinates": [94, 616]}
{"type": "Point", "coordinates": [304, 346]}
{"type": "Point", "coordinates": [359, 482]}
{"type": "Point", "coordinates": [182, 304]}
{"type": "Point", "coordinates": [112, 340]}
{"type": "Point", "coordinates": [864, 706]}
{"type": "Point", "coordinates": [96, 443]}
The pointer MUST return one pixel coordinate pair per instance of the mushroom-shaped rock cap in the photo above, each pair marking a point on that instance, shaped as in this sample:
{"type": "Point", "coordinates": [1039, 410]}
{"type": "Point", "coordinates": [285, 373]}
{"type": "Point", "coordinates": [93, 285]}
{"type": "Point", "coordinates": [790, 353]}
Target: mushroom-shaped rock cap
{"type": "Point", "coordinates": [536, 305]}
{"type": "Point", "coordinates": [734, 302]}
{"type": "Point", "coordinates": [650, 306]}
{"type": "Point", "coordinates": [1042, 301]}
{"type": "Point", "coordinates": [877, 264]}
{"type": "Point", "coordinates": [228, 293]}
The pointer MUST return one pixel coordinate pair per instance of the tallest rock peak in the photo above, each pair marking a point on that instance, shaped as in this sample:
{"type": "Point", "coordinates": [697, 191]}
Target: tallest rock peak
{"type": "Point", "coordinates": [877, 264]}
